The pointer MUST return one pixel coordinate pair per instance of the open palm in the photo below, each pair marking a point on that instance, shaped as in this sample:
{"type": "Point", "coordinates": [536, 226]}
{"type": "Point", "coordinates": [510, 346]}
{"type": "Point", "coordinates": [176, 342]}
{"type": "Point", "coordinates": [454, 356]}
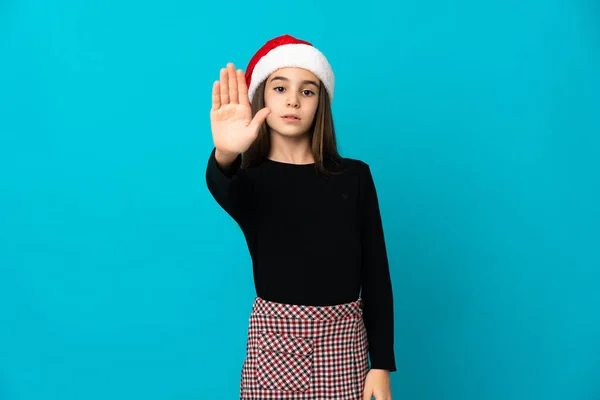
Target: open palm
{"type": "Point", "coordinates": [232, 125]}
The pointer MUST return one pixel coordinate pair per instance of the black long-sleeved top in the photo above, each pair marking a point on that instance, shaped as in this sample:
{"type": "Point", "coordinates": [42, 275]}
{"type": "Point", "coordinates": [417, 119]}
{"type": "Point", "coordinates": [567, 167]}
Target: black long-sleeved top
{"type": "Point", "coordinates": [313, 240]}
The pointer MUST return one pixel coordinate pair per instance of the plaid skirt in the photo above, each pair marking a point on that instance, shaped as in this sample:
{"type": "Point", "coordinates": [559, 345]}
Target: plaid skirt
{"type": "Point", "coordinates": [305, 352]}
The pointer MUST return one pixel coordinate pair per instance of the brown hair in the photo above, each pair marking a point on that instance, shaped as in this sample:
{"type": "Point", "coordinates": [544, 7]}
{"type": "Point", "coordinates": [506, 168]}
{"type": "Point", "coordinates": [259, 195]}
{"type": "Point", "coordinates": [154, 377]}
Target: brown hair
{"type": "Point", "coordinates": [322, 131]}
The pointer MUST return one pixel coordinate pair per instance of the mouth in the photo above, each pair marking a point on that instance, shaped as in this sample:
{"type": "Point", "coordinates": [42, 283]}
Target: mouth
{"type": "Point", "coordinates": [291, 118]}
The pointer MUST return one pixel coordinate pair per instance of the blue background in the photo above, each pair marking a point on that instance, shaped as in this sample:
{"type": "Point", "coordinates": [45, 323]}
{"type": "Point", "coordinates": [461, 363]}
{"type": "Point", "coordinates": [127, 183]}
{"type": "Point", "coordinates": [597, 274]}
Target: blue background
{"type": "Point", "coordinates": [121, 278]}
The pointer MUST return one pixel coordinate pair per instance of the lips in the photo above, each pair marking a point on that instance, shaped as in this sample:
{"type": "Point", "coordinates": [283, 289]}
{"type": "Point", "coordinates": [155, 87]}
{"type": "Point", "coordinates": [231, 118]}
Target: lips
{"type": "Point", "coordinates": [291, 116]}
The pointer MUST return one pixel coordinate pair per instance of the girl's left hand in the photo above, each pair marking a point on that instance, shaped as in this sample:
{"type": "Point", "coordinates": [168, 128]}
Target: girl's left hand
{"type": "Point", "coordinates": [377, 384]}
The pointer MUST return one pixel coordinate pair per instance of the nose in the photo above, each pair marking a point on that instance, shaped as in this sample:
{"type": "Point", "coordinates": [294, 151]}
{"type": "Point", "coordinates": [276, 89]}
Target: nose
{"type": "Point", "coordinates": [292, 101]}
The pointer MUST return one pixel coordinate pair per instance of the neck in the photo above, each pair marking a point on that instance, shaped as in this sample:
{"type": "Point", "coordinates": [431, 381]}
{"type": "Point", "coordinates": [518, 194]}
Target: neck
{"type": "Point", "coordinates": [293, 150]}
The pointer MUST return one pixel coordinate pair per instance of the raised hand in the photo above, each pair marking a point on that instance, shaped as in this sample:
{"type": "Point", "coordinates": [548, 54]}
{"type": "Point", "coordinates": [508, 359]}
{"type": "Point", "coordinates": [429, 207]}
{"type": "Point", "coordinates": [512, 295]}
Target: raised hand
{"type": "Point", "coordinates": [232, 125]}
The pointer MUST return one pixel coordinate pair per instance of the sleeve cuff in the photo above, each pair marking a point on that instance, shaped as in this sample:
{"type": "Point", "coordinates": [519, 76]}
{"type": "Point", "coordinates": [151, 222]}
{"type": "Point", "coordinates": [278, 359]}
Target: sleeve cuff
{"type": "Point", "coordinates": [219, 172]}
{"type": "Point", "coordinates": [388, 363]}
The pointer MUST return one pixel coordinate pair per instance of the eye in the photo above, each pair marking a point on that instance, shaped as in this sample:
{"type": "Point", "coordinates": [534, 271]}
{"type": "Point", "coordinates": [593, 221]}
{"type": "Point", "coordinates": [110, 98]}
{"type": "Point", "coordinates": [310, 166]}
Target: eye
{"type": "Point", "coordinates": [306, 92]}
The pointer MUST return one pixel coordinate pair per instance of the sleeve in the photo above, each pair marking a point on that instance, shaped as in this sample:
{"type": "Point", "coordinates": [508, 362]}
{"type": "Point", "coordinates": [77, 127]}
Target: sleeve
{"type": "Point", "coordinates": [228, 187]}
{"type": "Point", "coordinates": [378, 311]}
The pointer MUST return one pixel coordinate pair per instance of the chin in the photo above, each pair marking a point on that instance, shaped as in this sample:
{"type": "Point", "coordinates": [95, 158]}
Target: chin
{"type": "Point", "coordinates": [290, 130]}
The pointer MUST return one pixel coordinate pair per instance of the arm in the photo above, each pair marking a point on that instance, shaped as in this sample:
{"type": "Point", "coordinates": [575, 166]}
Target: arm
{"type": "Point", "coordinates": [233, 129]}
{"type": "Point", "coordinates": [227, 183]}
{"type": "Point", "coordinates": [376, 282]}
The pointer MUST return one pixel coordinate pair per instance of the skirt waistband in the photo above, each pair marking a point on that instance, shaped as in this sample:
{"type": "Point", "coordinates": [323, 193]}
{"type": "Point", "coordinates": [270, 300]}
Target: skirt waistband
{"type": "Point", "coordinates": [295, 311]}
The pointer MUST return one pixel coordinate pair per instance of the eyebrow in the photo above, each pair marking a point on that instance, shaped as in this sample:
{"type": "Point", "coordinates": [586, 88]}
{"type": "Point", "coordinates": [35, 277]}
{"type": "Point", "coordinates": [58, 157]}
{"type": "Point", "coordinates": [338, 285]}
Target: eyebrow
{"type": "Point", "coordinates": [283, 78]}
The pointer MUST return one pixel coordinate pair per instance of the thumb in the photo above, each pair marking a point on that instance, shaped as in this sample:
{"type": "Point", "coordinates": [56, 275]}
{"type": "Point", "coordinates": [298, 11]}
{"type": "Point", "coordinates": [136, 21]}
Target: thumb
{"type": "Point", "coordinates": [259, 118]}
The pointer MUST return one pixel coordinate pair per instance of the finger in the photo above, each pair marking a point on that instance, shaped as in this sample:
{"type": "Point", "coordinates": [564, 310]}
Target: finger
{"type": "Point", "coordinates": [259, 118]}
{"type": "Point", "coordinates": [224, 87]}
{"type": "Point", "coordinates": [216, 97]}
{"type": "Point", "coordinates": [233, 89]}
{"type": "Point", "coordinates": [242, 88]}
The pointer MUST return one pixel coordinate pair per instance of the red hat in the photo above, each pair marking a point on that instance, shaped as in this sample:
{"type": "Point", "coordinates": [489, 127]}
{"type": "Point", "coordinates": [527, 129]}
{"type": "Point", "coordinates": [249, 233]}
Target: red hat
{"type": "Point", "coordinates": [287, 51]}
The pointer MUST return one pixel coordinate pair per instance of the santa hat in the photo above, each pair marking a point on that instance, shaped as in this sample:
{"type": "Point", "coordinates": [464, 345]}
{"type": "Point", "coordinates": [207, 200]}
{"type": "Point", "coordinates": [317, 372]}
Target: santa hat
{"type": "Point", "coordinates": [287, 51]}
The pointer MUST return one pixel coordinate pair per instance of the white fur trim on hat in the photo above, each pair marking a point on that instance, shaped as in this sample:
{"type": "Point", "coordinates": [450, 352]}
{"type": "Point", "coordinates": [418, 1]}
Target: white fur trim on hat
{"type": "Point", "coordinates": [293, 55]}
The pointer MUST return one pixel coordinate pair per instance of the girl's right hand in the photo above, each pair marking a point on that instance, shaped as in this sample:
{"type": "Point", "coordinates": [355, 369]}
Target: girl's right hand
{"type": "Point", "coordinates": [232, 125]}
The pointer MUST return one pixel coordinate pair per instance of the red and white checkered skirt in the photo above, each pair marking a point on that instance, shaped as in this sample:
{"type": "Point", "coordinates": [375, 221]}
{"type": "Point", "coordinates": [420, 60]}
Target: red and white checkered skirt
{"type": "Point", "coordinates": [305, 352]}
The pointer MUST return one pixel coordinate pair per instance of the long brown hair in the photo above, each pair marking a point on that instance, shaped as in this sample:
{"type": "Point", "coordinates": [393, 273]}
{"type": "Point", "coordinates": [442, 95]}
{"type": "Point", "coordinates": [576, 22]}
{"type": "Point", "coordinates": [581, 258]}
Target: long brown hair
{"type": "Point", "coordinates": [323, 139]}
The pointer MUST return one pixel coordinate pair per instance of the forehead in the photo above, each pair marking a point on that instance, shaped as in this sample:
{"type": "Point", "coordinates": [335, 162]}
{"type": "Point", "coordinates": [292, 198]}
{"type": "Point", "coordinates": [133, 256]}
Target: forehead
{"type": "Point", "coordinates": [295, 74]}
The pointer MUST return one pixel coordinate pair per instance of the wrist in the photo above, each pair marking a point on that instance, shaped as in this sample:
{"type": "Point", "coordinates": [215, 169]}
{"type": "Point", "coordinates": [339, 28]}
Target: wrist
{"type": "Point", "coordinates": [225, 159]}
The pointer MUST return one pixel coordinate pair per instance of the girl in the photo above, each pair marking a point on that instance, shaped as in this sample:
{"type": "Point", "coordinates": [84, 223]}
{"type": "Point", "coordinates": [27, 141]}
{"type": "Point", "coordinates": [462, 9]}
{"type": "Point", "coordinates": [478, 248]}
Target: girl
{"type": "Point", "coordinates": [311, 219]}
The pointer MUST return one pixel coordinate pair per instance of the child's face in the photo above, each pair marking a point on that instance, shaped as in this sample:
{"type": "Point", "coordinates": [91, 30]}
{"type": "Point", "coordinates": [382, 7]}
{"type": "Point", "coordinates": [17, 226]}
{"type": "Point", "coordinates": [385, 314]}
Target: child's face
{"type": "Point", "coordinates": [291, 91]}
